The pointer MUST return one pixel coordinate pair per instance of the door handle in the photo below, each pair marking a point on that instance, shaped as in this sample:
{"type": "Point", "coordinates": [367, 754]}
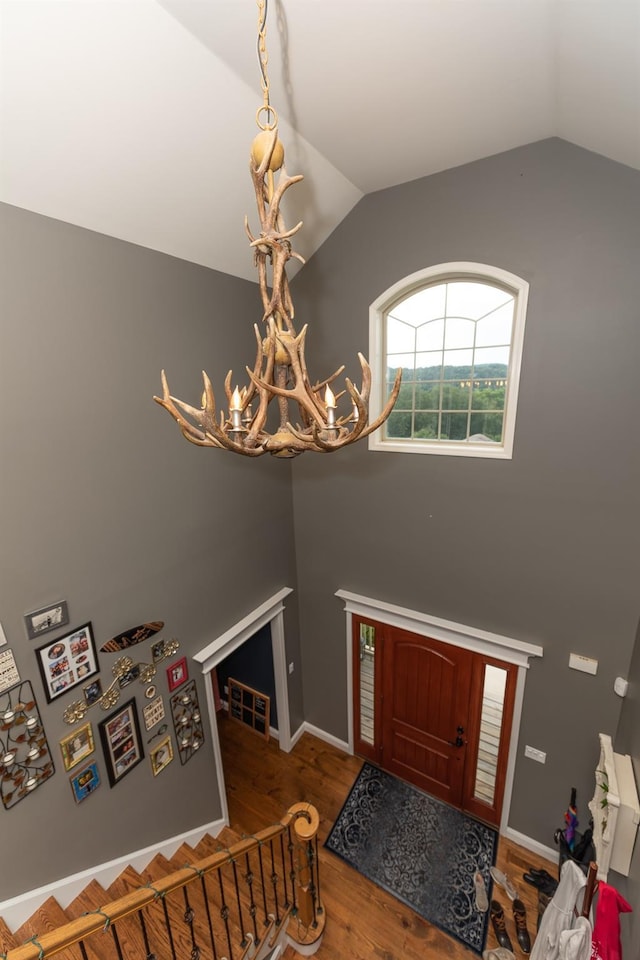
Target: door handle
{"type": "Point", "coordinates": [459, 741]}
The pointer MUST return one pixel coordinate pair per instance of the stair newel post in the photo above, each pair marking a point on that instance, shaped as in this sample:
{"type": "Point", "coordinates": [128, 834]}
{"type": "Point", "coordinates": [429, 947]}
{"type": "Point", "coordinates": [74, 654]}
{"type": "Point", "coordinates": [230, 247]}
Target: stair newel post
{"type": "Point", "coordinates": [306, 821]}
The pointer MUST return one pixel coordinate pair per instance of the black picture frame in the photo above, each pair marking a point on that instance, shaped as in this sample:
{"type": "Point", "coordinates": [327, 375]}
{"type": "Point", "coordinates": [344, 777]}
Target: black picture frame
{"type": "Point", "coordinates": [121, 741]}
{"type": "Point", "coordinates": [67, 661]}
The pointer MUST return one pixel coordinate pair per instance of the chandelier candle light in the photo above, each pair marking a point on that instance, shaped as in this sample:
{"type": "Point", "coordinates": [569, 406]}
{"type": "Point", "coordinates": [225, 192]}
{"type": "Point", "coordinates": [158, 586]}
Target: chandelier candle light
{"type": "Point", "coordinates": [280, 370]}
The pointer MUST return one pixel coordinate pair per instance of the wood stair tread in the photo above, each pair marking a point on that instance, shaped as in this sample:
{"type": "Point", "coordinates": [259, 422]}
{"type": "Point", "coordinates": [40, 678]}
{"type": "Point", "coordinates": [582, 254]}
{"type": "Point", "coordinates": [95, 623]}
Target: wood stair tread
{"type": "Point", "coordinates": [101, 945]}
{"type": "Point", "coordinates": [46, 918]}
{"type": "Point", "coordinates": [7, 939]}
{"type": "Point", "coordinates": [183, 855]}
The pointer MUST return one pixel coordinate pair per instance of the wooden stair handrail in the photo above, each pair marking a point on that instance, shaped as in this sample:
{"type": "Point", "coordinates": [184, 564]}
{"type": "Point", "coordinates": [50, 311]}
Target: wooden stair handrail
{"type": "Point", "coordinates": [82, 927]}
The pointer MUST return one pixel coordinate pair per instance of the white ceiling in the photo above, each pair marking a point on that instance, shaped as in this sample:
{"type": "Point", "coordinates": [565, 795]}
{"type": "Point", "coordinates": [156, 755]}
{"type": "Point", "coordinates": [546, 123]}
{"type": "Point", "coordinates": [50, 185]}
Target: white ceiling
{"type": "Point", "coordinates": [134, 117]}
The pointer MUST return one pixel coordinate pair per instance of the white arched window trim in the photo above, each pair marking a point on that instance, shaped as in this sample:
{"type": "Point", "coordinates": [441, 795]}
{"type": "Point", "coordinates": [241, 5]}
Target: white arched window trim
{"type": "Point", "coordinates": [440, 273]}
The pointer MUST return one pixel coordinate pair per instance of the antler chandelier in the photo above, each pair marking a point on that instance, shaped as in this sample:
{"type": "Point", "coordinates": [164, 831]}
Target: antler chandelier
{"type": "Point", "coordinates": [280, 371]}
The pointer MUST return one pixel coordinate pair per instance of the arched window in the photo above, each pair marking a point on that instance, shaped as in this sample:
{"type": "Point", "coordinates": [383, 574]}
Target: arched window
{"type": "Point", "coordinates": [457, 330]}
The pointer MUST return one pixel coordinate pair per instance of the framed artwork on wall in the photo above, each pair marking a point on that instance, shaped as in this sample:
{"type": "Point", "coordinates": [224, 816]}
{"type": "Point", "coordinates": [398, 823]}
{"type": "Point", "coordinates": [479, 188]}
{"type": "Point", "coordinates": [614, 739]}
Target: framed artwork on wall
{"type": "Point", "coordinates": [121, 742]}
{"type": "Point", "coordinates": [161, 756]}
{"type": "Point", "coordinates": [85, 781]}
{"type": "Point", "coordinates": [67, 661]}
{"type": "Point", "coordinates": [77, 746]}
{"type": "Point", "coordinates": [177, 673]}
{"type": "Point", "coordinates": [53, 617]}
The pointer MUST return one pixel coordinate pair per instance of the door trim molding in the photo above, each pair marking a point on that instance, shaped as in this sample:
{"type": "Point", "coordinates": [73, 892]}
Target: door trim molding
{"type": "Point", "coordinates": [461, 635]}
{"type": "Point", "coordinates": [271, 612]}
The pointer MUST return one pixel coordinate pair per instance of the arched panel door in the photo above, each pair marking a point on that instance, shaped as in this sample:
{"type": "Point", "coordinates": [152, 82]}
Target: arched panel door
{"type": "Point", "coordinates": [425, 712]}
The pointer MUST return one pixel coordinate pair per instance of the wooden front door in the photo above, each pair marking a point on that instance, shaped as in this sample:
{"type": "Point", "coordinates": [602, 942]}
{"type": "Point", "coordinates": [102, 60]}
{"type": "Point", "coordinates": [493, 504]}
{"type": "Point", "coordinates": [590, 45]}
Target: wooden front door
{"type": "Point", "coordinates": [425, 712]}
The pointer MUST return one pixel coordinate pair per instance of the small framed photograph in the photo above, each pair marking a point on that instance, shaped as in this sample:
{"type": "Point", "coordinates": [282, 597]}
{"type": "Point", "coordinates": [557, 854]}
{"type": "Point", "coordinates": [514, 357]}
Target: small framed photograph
{"type": "Point", "coordinates": [53, 617]}
{"type": "Point", "coordinates": [121, 742]}
{"type": "Point", "coordinates": [67, 661]}
{"type": "Point", "coordinates": [177, 673]}
{"type": "Point", "coordinates": [157, 650]}
{"type": "Point", "coordinates": [126, 678]}
{"type": "Point", "coordinates": [153, 713]}
{"type": "Point", "coordinates": [77, 746]}
{"type": "Point", "coordinates": [92, 692]}
{"type": "Point", "coordinates": [161, 756]}
{"type": "Point", "coordinates": [85, 781]}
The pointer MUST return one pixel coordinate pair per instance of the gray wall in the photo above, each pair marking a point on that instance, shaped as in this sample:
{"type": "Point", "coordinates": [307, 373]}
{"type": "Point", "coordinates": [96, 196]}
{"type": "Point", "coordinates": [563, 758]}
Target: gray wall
{"type": "Point", "coordinates": [542, 548]}
{"type": "Point", "coordinates": [105, 505]}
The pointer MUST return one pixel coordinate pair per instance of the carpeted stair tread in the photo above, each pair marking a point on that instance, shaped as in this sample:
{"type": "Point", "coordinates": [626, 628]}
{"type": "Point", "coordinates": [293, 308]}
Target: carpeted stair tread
{"type": "Point", "coordinates": [7, 939]}
{"type": "Point", "coordinates": [49, 916]}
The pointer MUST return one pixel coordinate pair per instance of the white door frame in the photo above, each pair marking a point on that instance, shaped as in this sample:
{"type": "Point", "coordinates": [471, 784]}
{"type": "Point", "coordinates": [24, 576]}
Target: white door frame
{"type": "Point", "coordinates": [458, 634]}
{"type": "Point", "coordinates": [270, 612]}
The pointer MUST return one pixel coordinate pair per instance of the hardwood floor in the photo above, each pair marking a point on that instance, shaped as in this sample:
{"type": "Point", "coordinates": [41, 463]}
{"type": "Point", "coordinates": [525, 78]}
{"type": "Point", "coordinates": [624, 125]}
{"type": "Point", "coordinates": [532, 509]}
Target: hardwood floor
{"type": "Point", "coordinates": [363, 922]}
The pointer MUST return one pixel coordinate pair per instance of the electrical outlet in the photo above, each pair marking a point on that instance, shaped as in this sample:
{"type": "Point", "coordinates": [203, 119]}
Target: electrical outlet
{"type": "Point", "coordinates": [291, 667]}
{"type": "Point", "coordinates": [533, 754]}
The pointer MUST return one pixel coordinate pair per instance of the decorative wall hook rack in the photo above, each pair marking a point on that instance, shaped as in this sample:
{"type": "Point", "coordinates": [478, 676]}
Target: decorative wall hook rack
{"type": "Point", "coordinates": [25, 760]}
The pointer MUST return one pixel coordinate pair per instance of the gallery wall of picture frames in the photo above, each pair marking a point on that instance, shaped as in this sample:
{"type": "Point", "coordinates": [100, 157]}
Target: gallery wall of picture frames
{"type": "Point", "coordinates": [70, 660]}
{"type": "Point", "coordinates": [125, 671]}
{"type": "Point", "coordinates": [25, 758]}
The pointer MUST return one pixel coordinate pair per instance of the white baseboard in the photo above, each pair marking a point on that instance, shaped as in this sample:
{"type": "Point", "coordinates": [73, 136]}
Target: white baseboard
{"type": "Point", "coordinates": [549, 853]}
{"type": "Point", "coordinates": [321, 735]}
{"type": "Point", "coordinates": [15, 911]}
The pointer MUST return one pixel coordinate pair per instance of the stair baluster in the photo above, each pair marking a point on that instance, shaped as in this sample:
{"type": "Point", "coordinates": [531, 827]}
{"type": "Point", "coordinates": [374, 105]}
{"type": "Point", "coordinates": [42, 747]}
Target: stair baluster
{"type": "Point", "coordinates": [172, 913]}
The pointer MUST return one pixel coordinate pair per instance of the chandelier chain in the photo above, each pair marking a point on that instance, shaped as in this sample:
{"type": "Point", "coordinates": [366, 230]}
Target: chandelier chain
{"type": "Point", "coordinates": [263, 56]}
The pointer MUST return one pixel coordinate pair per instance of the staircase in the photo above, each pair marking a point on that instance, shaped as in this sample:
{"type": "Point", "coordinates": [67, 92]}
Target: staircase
{"type": "Point", "coordinates": [229, 898]}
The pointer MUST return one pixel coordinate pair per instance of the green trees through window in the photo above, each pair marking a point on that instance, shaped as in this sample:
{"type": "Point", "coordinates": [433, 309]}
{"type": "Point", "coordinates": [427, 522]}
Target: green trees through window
{"type": "Point", "coordinates": [457, 332]}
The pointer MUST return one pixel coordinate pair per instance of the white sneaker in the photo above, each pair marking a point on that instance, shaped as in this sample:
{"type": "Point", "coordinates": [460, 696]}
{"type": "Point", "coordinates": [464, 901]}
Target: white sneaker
{"type": "Point", "coordinates": [482, 901]}
{"type": "Point", "coordinates": [503, 881]}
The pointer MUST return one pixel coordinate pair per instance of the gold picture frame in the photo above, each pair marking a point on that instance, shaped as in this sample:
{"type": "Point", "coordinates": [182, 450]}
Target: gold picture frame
{"type": "Point", "coordinates": [161, 756]}
{"type": "Point", "coordinates": [77, 746]}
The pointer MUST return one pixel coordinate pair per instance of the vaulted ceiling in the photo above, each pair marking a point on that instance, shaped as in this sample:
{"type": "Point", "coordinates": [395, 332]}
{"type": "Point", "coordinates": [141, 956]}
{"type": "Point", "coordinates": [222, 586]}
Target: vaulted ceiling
{"type": "Point", "coordinates": [134, 117]}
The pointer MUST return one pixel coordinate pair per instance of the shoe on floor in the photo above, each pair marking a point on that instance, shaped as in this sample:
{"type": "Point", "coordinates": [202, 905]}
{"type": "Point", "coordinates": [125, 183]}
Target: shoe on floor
{"type": "Point", "coordinates": [547, 884]}
{"type": "Point", "coordinates": [482, 901]}
{"type": "Point", "coordinates": [544, 899]}
{"type": "Point", "coordinates": [499, 926]}
{"type": "Point", "coordinates": [542, 874]}
{"type": "Point", "coordinates": [522, 934]}
{"type": "Point", "coordinates": [498, 953]}
{"type": "Point", "coordinates": [503, 881]}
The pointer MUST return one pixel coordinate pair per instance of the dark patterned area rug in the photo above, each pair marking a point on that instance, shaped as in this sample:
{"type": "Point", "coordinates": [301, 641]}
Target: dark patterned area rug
{"type": "Point", "coordinates": [419, 849]}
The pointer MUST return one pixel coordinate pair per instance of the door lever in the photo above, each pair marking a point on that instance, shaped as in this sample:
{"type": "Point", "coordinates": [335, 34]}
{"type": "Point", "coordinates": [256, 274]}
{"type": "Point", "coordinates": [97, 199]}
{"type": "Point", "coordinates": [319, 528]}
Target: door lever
{"type": "Point", "coordinates": [458, 742]}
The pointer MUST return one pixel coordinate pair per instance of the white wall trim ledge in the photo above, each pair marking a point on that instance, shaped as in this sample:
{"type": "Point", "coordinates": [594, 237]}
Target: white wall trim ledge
{"type": "Point", "coordinates": [321, 735]}
{"type": "Point", "coordinates": [551, 853]}
{"type": "Point", "coordinates": [18, 909]}
{"type": "Point", "coordinates": [459, 634]}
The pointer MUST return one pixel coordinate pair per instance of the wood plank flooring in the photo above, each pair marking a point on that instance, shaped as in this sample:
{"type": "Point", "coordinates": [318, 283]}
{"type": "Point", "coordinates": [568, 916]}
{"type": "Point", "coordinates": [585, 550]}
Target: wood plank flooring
{"type": "Point", "coordinates": [363, 922]}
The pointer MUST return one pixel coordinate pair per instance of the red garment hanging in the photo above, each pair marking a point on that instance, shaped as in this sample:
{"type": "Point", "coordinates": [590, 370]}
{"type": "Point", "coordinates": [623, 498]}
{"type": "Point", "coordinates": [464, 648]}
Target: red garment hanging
{"type": "Point", "coordinates": [605, 943]}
